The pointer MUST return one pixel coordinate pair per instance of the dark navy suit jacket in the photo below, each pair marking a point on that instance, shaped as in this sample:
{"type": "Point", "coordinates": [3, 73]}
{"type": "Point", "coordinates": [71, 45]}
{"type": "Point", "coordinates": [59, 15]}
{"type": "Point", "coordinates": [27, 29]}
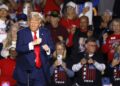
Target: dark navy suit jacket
{"type": "Point", "coordinates": [25, 62]}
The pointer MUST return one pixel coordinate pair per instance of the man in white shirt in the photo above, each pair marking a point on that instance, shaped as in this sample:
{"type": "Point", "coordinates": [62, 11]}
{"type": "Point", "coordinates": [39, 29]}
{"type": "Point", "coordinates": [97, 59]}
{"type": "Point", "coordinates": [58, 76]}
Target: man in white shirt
{"type": "Point", "coordinates": [34, 46]}
{"type": "Point", "coordinates": [89, 66]}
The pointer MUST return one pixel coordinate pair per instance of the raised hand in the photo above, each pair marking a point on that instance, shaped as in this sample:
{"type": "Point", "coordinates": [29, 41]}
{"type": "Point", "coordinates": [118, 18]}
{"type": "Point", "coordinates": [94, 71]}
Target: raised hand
{"type": "Point", "coordinates": [83, 61]}
{"type": "Point", "coordinates": [90, 61]}
{"type": "Point", "coordinates": [46, 47]}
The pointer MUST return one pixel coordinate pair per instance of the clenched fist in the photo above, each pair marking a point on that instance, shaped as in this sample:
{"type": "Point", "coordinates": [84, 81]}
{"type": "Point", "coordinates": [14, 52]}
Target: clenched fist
{"type": "Point", "coordinates": [37, 41]}
{"type": "Point", "coordinates": [83, 61]}
{"type": "Point", "coordinates": [46, 47]}
{"type": "Point", "coordinates": [90, 61]}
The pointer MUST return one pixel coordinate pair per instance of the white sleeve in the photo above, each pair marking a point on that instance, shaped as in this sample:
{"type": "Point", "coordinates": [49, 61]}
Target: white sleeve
{"type": "Point", "coordinates": [81, 14]}
{"type": "Point", "coordinates": [77, 67]}
{"type": "Point", "coordinates": [100, 67]}
{"type": "Point", "coordinates": [5, 53]}
{"type": "Point", "coordinates": [89, 14]}
{"type": "Point", "coordinates": [31, 46]}
{"type": "Point", "coordinates": [48, 52]}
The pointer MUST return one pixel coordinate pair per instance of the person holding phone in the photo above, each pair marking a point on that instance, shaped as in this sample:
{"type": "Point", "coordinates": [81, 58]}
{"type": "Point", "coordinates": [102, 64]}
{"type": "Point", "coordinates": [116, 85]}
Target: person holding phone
{"type": "Point", "coordinates": [60, 73]}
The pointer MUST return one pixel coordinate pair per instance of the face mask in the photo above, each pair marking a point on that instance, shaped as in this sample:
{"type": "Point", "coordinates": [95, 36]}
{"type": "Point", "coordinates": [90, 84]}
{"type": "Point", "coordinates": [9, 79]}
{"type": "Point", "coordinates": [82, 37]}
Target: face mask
{"type": "Point", "coordinates": [13, 16]}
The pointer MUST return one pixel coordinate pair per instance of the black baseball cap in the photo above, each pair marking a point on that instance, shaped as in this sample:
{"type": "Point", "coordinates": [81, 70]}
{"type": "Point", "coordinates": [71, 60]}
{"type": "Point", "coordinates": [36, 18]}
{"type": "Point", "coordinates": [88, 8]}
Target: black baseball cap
{"type": "Point", "coordinates": [54, 14]}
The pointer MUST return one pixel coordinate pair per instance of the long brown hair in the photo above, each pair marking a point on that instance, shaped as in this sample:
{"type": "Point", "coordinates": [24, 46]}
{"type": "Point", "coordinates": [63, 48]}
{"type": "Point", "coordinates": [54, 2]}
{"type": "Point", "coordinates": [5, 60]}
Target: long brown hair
{"type": "Point", "coordinates": [8, 41]}
{"type": "Point", "coordinates": [55, 52]}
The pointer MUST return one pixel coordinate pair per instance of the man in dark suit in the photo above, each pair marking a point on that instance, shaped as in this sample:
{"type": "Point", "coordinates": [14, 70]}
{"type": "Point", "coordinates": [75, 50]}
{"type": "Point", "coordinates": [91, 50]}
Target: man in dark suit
{"type": "Point", "coordinates": [34, 46]}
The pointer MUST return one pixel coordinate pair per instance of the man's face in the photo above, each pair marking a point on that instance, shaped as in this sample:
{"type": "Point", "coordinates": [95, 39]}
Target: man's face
{"type": "Point", "coordinates": [91, 47]}
{"type": "Point", "coordinates": [54, 21]}
{"type": "Point", "coordinates": [83, 23]}
{"type": "Point", "coordinates": [34, 24]}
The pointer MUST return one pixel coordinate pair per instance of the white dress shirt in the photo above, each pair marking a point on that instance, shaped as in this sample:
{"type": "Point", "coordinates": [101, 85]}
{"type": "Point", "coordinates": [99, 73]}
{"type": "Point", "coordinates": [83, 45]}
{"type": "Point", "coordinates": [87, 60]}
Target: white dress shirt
{"type": "Point", "coordinates": [99, 66]}
{"type": "Point", "coordinates": [31, 46]}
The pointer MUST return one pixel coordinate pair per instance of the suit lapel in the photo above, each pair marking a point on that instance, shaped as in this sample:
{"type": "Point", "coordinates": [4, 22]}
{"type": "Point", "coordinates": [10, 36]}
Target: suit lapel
{"type": "Point", "coordinates": [29, 35]}
{"type": "Point", "coordinates": [42, 35]}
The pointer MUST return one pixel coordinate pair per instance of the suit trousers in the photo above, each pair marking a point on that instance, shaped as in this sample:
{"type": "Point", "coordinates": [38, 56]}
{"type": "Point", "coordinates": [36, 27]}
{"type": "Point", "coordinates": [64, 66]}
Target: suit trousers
{"type": "Point", "coordinates": [32, 83]}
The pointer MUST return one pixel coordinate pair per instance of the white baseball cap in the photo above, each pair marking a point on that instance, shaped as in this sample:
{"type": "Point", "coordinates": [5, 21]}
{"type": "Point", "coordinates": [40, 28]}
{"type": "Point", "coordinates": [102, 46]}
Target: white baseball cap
{"type": "Point", "coordinates": [3, 6]}
{"type": "Point", "coordinates": [72, 4]}
{"type": "Point", "coordinates": [108, 11]}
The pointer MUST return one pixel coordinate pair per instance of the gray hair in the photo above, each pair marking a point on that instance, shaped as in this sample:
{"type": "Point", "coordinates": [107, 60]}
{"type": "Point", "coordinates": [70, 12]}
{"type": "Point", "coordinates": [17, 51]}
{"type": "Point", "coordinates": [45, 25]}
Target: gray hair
{"type": "Point", "coordinates": [36, 15]}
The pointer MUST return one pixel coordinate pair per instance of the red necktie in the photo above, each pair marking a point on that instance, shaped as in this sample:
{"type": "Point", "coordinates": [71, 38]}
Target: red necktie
{"type": "Point", "coordinates": [37, 53]}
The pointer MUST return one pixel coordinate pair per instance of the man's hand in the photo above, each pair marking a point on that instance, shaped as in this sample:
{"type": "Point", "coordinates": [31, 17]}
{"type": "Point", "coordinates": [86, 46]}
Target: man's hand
{"type": "Point", "coordinates": [90, 61]}
{"type": "Point", "coordinates": [83, 61]}
{"type": "Point", "coordinates": [37, 41]}
{"type": "Point", "coordinates": [46, 47]}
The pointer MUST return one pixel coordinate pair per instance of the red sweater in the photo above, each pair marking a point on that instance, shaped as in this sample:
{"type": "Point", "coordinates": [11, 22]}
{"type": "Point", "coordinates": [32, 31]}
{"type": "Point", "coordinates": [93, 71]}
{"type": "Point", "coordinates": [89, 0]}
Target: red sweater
{"type": "Point", "coordinates": [68, 23]}
{"type": "Point", "coordinates": [108, 47]}
{"type": "Point", "coordinates": [7, 67]}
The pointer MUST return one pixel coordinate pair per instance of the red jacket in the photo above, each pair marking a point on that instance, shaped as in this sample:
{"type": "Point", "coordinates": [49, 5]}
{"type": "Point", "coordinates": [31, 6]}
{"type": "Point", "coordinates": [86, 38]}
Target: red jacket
{"type": "Point", "coordinates": [109, 45]}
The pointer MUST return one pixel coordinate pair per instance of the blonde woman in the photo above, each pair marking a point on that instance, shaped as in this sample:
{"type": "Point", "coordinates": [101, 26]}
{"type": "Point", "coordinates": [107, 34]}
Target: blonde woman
{"type": "Point", "coordinates": [70, 18]}
{"type": "Point", "coordinates": [59, 67]}
{"type": "Point", "coordinates": [9, 54]}
{"type": "Point", "coordinates": [110, 40]}
{"type": "Point", "coordinates": [10, 42]}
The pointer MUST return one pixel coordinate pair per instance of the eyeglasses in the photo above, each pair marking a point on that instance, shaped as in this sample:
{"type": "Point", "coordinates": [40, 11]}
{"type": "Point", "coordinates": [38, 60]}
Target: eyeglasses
{"type": "Point", "coordinates": [92, 45]}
